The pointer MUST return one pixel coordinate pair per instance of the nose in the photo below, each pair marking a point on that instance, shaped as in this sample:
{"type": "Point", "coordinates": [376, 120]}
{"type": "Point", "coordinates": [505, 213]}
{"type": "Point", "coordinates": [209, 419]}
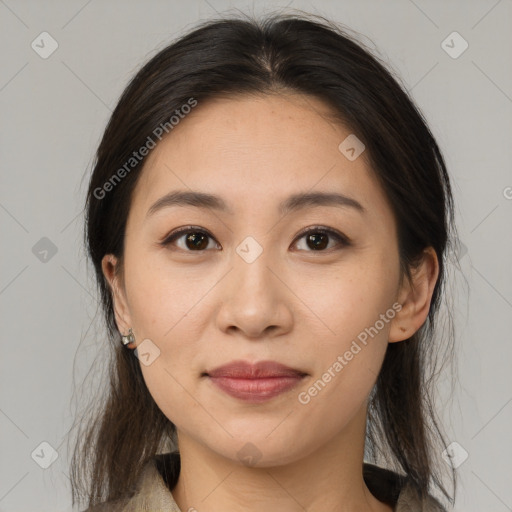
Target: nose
{"type": "Point", "coordinates": [255, 299]}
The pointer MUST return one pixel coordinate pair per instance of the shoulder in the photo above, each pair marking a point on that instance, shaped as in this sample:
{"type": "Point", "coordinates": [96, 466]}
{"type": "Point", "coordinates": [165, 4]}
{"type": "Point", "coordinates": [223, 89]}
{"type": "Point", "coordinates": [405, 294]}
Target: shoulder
{"type": "Point", "coordinates": [396, 490]}
{"type": "Point", "coordinates": [152, 493]}
{"type": "Point", "coordinates": [409, 501]}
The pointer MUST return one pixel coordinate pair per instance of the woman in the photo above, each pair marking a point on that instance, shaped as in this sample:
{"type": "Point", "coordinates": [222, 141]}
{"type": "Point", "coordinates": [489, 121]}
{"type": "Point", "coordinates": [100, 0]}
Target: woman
{"type": "Point", "coordinates": [268, 218]}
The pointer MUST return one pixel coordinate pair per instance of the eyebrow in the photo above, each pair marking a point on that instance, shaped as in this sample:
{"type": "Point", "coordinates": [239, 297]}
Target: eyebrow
{"type": "Point", "coordinates": [294, 202]}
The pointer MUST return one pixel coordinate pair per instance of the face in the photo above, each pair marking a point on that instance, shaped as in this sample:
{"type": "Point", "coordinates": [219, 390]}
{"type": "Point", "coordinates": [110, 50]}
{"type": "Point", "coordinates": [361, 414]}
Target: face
{"type": "Point", "coordinates": [205, 286]}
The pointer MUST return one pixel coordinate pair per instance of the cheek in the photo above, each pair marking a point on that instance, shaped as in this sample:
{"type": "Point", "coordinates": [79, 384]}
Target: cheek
{"type": "Point", "coordinates": [345, 370]}
{"type": "Point", "coordinates": [347, 362]}
{"type": "Point", "coordinates": [175, 395]}
{"type": "Point", "coordinates": [357, 311]}
{"type": "Point", "coordinates": [161, 295]}
{"type": "Point", "coordinates": [352, 299]}
{"type": "Point", "coordinates": [165, 309]}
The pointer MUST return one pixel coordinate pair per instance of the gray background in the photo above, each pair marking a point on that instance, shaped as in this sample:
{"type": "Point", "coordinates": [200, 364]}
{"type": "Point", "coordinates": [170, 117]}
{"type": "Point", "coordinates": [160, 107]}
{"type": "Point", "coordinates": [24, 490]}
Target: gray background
{"type": "Point", "coordinates": [53, 112]}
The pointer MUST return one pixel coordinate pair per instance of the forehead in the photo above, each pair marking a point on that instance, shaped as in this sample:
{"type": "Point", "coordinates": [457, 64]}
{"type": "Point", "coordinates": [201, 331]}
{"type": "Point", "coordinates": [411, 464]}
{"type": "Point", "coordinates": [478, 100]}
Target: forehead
{"type": "Point", "coordinates": [257, 149]}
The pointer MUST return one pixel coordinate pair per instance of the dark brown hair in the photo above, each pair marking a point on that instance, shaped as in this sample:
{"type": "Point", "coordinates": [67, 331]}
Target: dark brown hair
{"type": "Point", "coordinates": [309, 55]}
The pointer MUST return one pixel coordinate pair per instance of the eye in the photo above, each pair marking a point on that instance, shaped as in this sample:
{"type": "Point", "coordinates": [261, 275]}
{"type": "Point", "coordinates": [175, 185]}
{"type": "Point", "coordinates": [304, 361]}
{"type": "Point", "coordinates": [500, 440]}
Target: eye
{"type": "Point", "coordinates": [317, 238]}
{"type": "Point", "coordinates": [192, 238]}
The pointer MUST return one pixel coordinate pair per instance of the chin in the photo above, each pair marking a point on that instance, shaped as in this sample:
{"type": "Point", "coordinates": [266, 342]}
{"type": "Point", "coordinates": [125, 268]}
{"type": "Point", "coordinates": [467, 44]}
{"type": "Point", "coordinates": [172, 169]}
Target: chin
{"type": "Point", "coordinates": [256, 450]}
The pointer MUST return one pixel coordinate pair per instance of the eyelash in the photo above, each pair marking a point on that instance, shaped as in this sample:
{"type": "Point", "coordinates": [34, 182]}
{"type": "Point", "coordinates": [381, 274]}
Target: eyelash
{"type": "Point", "coordinates": [340, 238]}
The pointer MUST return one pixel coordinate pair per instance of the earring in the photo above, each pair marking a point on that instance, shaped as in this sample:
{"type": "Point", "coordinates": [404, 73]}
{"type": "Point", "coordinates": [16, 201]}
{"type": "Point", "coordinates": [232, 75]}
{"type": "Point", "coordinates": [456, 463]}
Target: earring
{"type": "Point", "coordinates": [129, 338]}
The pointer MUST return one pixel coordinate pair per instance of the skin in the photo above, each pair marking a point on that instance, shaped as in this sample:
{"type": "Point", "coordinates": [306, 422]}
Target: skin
{"type": "Point", "coordinates": [293, 304]}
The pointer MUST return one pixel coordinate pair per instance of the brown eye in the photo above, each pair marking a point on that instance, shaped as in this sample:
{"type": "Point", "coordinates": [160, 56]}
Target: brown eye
{"type": "Point", "coordinates": [317, 239]}
{"type": "Point", "coordinates": [191, 239]}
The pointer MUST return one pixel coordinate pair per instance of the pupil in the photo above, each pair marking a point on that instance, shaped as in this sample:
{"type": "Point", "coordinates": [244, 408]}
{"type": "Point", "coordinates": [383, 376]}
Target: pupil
{"type": "Point", "coordinates": [195, 243]}
{"type": "Point", "coordinates": [319, 240]}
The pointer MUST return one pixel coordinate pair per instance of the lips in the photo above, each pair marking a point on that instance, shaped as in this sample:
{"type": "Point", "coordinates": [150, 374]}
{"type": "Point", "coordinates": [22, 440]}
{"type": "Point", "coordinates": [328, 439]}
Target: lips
{"type": "Point", "coordinates": [245, 370]}
{"type": "Point", "coordinates": [255, 382]}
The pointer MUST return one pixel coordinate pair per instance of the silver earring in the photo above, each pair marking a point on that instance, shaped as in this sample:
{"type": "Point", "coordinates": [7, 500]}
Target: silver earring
{"type": "Point", "coordinates": [129, 338]}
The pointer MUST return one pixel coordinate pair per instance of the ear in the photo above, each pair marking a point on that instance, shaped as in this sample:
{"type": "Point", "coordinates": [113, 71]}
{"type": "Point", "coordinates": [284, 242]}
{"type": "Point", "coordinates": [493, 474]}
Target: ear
{"type": "Point", "coordinates": [109, 265]}
{"type": "Point", "coordinates": [415, 298]}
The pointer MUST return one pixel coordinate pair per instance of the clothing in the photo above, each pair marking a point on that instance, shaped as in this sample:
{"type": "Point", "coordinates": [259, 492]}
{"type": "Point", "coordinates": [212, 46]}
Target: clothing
{"type": "Point", "coordinates": [153, 494]}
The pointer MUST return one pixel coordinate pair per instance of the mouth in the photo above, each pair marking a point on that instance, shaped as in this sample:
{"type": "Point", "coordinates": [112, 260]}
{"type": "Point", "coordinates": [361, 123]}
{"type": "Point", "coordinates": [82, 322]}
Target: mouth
{"type": "Point", "coordinates": [254, 382]}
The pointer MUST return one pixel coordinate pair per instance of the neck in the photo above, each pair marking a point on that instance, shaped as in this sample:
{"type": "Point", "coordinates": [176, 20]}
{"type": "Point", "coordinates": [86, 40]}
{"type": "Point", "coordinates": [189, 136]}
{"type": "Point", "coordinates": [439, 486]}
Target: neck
{"type": "Point", "coordinates": [328, 479]}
